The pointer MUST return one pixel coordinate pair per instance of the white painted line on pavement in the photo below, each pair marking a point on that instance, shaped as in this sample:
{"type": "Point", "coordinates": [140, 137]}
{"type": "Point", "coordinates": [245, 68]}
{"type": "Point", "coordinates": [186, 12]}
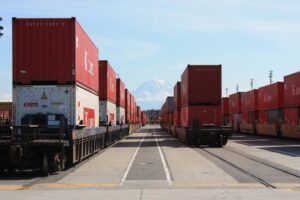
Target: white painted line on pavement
{"type": "Point", "coordinates": [163, 160]}
{"type": "Point", "coordinates": [131, 161]}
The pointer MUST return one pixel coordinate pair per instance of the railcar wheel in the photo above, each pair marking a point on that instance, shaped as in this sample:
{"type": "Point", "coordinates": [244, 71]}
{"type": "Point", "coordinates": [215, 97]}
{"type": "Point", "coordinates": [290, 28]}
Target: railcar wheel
{"type": "Point", "coordinates": [45, 169]}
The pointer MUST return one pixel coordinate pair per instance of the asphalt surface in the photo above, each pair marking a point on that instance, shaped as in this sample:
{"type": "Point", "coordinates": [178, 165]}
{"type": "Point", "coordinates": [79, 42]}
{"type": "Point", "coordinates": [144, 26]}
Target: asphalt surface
{"type": "Point", "coordinates": [151, 164]}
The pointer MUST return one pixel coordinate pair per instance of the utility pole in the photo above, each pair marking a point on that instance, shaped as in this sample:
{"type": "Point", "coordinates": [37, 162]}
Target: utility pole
{"type": "Point", "coordinates": [271, 76]}
{"type": "Point", "coordinates": [1, 28]}
{"type": "Point", "coordinates": [237, 88]}
{"type": "Point", "coordinates": [251, 83]}
{"type": "Point", "coordinates": [226, 90]}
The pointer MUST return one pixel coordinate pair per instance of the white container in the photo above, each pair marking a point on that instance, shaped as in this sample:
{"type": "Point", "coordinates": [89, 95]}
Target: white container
{"type": "Point", "coordinates": [75, 103]}
{"type": "Point", "coordinates": [107, 112]}
{"type": "Point", "coordinates": [120, 115]}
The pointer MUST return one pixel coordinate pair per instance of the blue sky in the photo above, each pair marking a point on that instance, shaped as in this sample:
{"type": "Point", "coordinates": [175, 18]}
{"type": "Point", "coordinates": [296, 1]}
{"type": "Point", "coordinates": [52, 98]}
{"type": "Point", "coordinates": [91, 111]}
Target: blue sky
{"type": "Point", "coordinates": [156, 39]}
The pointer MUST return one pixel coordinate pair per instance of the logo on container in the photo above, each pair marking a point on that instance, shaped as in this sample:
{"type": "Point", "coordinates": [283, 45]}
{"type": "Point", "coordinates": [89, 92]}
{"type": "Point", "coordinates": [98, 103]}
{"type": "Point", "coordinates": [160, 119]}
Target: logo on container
{"type": "Point", "coordinates": [111, 84]}
{"type": "Point", "coordinates": [44, 96]}
{"type": "Point", "coordinates": [88, 65]}
{"type": "Point", "coordinates": [295, 90]}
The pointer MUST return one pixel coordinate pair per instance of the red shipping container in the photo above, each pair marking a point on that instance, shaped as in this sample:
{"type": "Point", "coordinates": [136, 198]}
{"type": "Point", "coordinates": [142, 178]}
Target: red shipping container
{"type": "Point", "coordinates": [234, 103]}
{"type": "Point", "coordinates": [177, 117]}
{"type": "Point", "coordinates": [249, 101]}
{"type": "Point", "coordinates": [54, 51]}
{"type": "Point", "coordinates": [127, 105]}
{"type": "Point", "coordinates": [263, 117]}
{"type": "Point", "coordinates": [133, 109]}
{"type": "Point", "coordinates": [201, 85]}
{"type": "Point", "coordinates": [138, 108]}
{"type": "Point", "coordinates": [200, 114]}
{"type": "Point", "coordinates": [292, 116]}
{"type": "Point", "coordinates": [177, 96]}
{"type": "Point", "coordinates": [170, 118]}
{"type": "Point", "coordinates": [292, 90]}
{"type": "Point", "coordinates": [291, 126]}
{"type": "Point", "coordinates": [225, 107]}
{"type": "Point", "coordinates": [107, 82]}
{"type": "Point", "coordinates": [249, 117]}
{"type": "Point", "coordinates": [271, 96]}
{"type": "Point", "coordinates": [5, 112]}
{"type": "Point", "coordinates": [120, 93]}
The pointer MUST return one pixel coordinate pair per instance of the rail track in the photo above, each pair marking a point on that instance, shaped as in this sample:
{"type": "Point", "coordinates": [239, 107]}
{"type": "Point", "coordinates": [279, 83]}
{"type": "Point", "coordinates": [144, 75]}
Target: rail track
{"type": "Point", "coordinates": [232, 158]}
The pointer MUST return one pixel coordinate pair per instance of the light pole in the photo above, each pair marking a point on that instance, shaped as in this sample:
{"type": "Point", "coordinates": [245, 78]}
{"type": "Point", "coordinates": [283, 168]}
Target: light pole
{"type": "Point", "coordinates": [1, 28]}
{"type": "Point", "coordinates": [271, 76]}
{"type": "Point", "coordinates": [251, 83]}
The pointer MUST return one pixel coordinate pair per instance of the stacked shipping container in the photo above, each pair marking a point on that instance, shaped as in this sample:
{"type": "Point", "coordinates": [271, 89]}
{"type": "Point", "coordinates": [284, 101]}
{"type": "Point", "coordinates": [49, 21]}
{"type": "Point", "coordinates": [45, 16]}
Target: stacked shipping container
{"type": "Point", "coordinates": [291, 126]}
{"type": "Point", "coordinates": [234, 107]}
{"type": "Point", "coordinates": [5, 113]}
{"type": "Point", "coordinates": [127, 106]}
{"type": "Point", "coordinates": [249, 114]}
{"type": "Point", "coordinates": [177, 104]}
{"type": "Point", "coordinates": [270, 109]}
{"type": "Point", "coordinates": [225, 111]}
{"type": "Point", "coordinates": [120, 102]}
{"type": "Point", "coordinates": [60, 74]}
{"type": "Point", "coordinates": [201, 95]}
{"type": "Point", "coordinates": [107, 93]}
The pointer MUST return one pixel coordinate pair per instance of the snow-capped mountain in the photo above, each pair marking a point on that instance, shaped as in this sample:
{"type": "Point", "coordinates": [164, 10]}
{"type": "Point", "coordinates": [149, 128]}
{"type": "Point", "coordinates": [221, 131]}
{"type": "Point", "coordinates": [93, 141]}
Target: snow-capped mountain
{"type": "Point", "coordinates": [151, 94]}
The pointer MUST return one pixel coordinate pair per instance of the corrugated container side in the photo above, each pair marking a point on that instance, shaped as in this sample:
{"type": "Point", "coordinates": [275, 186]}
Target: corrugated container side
{"type": "Point", "coordinates": [249, 117]}
{"type": "Point", "coordinates": [171, 118]}
{"type": "Point", "coordinates": [249, 101]}
{"type": "Point", "coordinates": [87, 69]}
{"type": "Point", "coordinates": [120, 115]}
{"type": "Point", "coordinates": [177, 96]}
{"type": "Point", "coordinates": [271, 96]}
{"type": "Point", "coordinates": [108, 112]}
{"type": "Point", "coordinates": [291, 126]}
{"type": "Point", "coordinates": [235, 119]}
{"type": "Point", "coordinates": [170, 104]}
{"type": "Point", "coordinates": [127, 105]}
{"type": "Point", "coordinates": [201, 85]}
{"type": "Point", "coordinates": [120, 93]}
{"type": "Point", "coordinates": [292, 90]}
{"type": "Point", "coordinates": [271, 116]}
{"type": "Point", "coordinates": [234, 102]}
{"type": "Point", "coordinates": [177, 117]}
{"type": "Point", "coordinates": [263, 117]}
{"type": "Point", "coordinates": [53, 51]}
{"type": "Point", "coordinates": [75, 103]}
{"type": "Point", "coordinates": [225, 109]}
{"type": "Point", "coordinates": [201, 115]}
{"type": "Point", "coordinates": [6, 112]}
{"type": "Point", "coordinates": [132, 109]}
{"type": "Point", "coordinates": [292, 115]}
{"type": "Point", "coordinates": [107, 82]}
